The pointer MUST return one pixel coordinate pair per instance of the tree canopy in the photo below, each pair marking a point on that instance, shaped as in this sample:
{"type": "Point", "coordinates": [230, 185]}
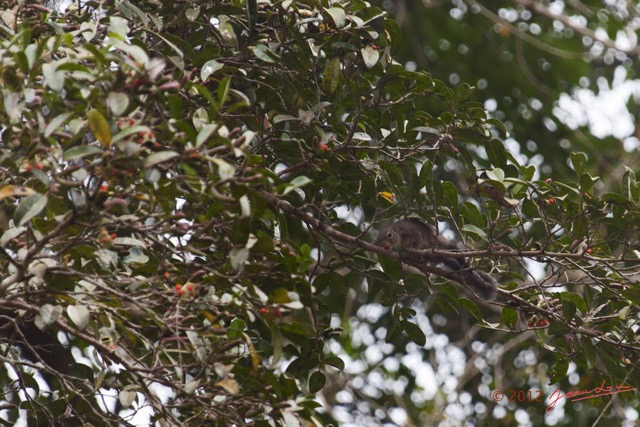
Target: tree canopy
{"type": "Point", "coordinates": [191, 192]}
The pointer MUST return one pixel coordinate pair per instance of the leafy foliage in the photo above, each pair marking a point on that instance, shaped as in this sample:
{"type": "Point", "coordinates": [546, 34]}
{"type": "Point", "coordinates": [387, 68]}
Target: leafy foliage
{"type": "Point", "coordinates": [187, 198]}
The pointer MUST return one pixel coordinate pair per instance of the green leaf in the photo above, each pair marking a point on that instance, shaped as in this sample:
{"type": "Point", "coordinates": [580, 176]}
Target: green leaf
{"type": "Point", "coordinates": [331, 280]}
{"type": "Point", "coordinates": [499, 125]}
{"type": "Point", "coordinates": [558, 370]}
{"type": "Point", "coordinates": [426, 172]}
{"type": "Point", "coordinates": [209, 68]}
{"type": "Point", "coordinates": [391, 266]}
{"type": "Point", "coordinates": [496, 153]}
{"type": "Point", "coordinates": [414, 332]}
{"type": "Point", "coordinates": [317, 381]}
{"type": "Point", "coordinates": [80, 152]}
{"type": "Point", "coordinates": [451, 194]}
{"type": "Point", "coordinates": [79, 315]}
{"type": "Point", "coordinates": [338, 15]}
{"type": "Point", "coordinates": [589, 351]}
{"type": "Point", "coordinates": [576, 299]}
{"type": "Point", "coordinates": [587, 181]}
{"type": "Point", "coordinates": [370, 56]}
{"type": "Point", "coordinates": [470, 228]}
{"type": "Point", "coordinates": [510, 317]}
{"type": "Point", "coordinates": [471, 308]}
{"type": "Point", "coordinates": [496, 174]}
{"type": "Point", "coordinates": [331, 76]}
{"type": "Point", "coordinates": [223, 89]}
{"type": "Point", "coordinates": [527, 172]}
{"type": "Point", "coordinates": [159, 157]}
{"type": "Point", "coordinates": [463, 92]}
{"type": "Point", "coordinates": [471, 212]}
{"type": "Point", "coordinates": [236, 329]}
{"type": "Point", "coordinates": [56, 123]}
{"type": "Point", "coordinates": [264, 53]}
{"type": "Point", "coordinates": [335, 361]}
{"type": "Point", "coordinates": [615, 198]}
{"type": "Point", "coordinates": [578, 161]}
{"type": "Point", "coordinates": [31, 206]}
{"type": "Point", "coordinates": [297, 182]}
{"type": "Point", "coordinates": [629, 185]}
{"type": "Point", "coordinates": [205, 133]}
{"type": "Point", "coordinates": [129, 131]}
{"type": "Point", "coordinates": [136, 52]}
{"type": "Point", "coordinates": [49, 314]}
{"type": "Point", "coordinates": [53, 78]}
{"type": "Point", "coordinates": [117, 102]}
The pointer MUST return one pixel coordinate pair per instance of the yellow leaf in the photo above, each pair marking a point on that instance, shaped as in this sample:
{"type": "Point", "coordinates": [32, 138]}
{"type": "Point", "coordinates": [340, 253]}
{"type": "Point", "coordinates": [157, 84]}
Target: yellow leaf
{"type": "Point", "coordinates": [255, 360]}
{"type": "Point", "coordinates": [230, 385]}
{"type": "Point", "coordinates": [279, 296]}
{"type": "Point", "coordinates": [331, 76]}
{"type": "Point", "coordinates": [211, 317]}
{"type": "Point", "coordinates": [387, 196]}
{"type": "Point", "coordinates": [99, 127]}
{"type": "Point", "coordinates": [14, 190]}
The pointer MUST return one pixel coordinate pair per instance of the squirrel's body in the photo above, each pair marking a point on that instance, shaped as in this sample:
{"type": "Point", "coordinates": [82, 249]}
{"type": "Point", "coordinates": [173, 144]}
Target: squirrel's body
{"type": "Point", "coordinates": [413, 234]}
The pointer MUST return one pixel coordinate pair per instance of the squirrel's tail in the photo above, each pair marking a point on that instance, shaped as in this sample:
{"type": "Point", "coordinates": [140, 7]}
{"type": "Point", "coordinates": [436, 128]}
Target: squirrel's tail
{"type": "Point", "coordinates": [479, 282]}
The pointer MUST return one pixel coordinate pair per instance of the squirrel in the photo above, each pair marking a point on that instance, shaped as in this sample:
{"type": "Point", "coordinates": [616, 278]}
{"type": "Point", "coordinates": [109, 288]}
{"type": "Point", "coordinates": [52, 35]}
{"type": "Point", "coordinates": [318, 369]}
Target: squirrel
{"type": "Point", "coordinates": [414, 234]}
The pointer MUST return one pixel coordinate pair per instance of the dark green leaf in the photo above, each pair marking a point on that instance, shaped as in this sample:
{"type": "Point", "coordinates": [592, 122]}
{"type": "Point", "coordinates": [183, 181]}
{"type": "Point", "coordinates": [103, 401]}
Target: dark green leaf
{"type": "Point", "coordinates": [414, 333]}
{"type": "Point", "coordinates": [317, 381]}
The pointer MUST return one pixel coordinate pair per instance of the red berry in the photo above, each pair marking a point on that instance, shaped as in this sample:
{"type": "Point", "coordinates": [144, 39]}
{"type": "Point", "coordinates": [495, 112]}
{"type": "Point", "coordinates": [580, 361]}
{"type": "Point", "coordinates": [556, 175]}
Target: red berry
{"type": "Point", "coordinates": [29, 168]}
{"type": "Point", "coordinates": [588, 250]}
{"type": "Point", "coordinates": [113, 236]}
{"type": "Point", "coordinates": [39, 166]}
{"type": "Point", "coordinates": [264, 310]}
{"type": "Point", "coordinates": [550, 201]}
{"type": "Point", "coordinates": [277, 312]}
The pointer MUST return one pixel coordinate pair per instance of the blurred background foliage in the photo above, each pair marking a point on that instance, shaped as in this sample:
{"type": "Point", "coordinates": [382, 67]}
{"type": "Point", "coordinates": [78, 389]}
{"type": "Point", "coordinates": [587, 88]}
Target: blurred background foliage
{"type": "Point", "coordinates": [190, 191]}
